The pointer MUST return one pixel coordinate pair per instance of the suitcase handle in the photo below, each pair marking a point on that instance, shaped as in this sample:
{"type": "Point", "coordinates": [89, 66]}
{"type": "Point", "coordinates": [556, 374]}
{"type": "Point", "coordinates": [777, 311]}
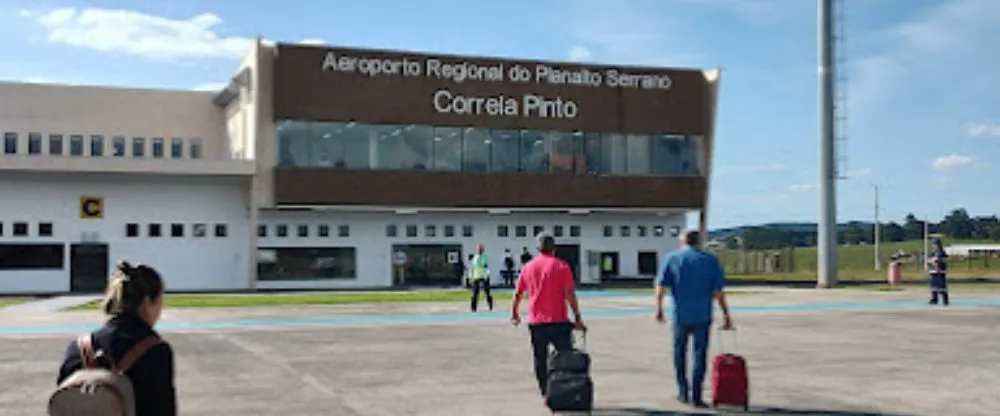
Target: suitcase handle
{"type": "Point", "coordinates": [722, 337]}
{"type": "Point", "coordinates": [582, 340]}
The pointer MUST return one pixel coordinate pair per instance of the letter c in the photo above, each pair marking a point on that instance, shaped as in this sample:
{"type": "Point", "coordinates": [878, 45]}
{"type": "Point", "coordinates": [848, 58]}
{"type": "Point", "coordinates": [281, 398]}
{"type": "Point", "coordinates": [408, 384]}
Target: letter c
{"type": "Point", "coordinates": [442, 101]}
{"type": "Point", "coordinates": [91, 208]}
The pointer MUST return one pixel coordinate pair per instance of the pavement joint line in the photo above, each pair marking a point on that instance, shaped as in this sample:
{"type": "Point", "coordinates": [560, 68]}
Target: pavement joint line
{"type": "Point", "coordinates": [442, 318]}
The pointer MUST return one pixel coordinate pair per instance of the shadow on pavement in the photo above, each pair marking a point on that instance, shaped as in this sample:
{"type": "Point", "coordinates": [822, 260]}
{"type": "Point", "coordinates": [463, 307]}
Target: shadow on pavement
{"type": "Point", "coordinates": [626, 411]}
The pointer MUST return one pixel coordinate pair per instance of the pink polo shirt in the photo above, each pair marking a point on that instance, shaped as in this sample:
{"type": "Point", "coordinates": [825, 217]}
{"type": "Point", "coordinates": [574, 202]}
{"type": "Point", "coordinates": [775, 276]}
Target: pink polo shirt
{"type": "Point", "coordinates": [546, 278]}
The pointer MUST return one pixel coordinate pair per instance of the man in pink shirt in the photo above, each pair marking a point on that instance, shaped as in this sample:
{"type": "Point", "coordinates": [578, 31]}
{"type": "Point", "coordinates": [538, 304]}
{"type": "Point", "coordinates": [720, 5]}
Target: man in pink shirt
{"type": "Point", "coordinates": [548, 280]}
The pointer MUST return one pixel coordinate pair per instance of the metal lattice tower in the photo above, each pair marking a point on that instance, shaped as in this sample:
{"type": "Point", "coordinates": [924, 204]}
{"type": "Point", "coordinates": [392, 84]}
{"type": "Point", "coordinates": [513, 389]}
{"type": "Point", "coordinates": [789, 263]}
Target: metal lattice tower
{"type": "Point", "coordinates": [840, 88]}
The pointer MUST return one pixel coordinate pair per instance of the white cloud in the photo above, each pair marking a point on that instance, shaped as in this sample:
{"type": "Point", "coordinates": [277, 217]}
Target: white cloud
{"type": "Point", "coordinates": [137, 34]}
{"type": "Point", "coordinates": [976, 129]}
{"type": "Point", "coordinates": [210, 86]}
{"type": "Point", "coordinates": [313, 41]}
{"type": "Point", "coordinates": [952, 161]}
{"type": "Point", "coordinates": [580, 54]}
{"type": "Point", "coordinates": [745, 169]}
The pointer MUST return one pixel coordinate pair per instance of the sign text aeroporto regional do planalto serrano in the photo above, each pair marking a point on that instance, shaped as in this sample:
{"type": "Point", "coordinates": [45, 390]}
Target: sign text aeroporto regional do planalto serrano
{"type": "Point", "coordinates": [445, 101]}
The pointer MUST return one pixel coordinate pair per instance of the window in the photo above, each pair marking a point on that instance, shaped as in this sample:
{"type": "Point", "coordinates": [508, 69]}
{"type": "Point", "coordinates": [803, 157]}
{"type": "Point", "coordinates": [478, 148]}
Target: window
{"type": "Point", "coordinates": [477, 145]}
{"type": "Point", "coordinates": [131, 230]}
{"type": "Point", "coordinates": [76, 145]}
{"type": "Point", "coordinates": [503, 231]}
{"type": "Point", "coordinates": [447, 149]}
{"type": "Point", "coordinates": [344, 231]}
{"type": "Point", "coordinates": [557, 231]}
{"type": "Point", "coordinates": [323, 230]}
{"type": "Point", "coordinates": [302, 230]}
{"type": "Point", "coordinates": [55, 145]}
{"type": "Point", "coordinates": [638, 157]}
{"type": "Point", "coordinates": [281, 230]}
{"type": "Point", "coordinates": [574, 231]}
{"type": "Point", "coordinates": [520, 231]}
{"type": "Point", "coordinates": [391, 230]}
{"type": "Point", "coordinates": [675, 231]}
{"type": "Point", "coordinates": [97, 145]}
{"type": "Point", "coordinates": [20, 229]}
{"type": "Point", "coordinates": [261, 230]}
{"type": "Point", "coordinates": [647, 263]}
{"type": "Point", "coordinates": [658, 231]}
{"type": "Point", "coordinates": [534, 151]}
{"type": "Point", "coordinates": [609, 231]}
{"type": "Point", "coordinates": [199, 230]}
{"type": "Point", "coordinates": [118, 146]}
{"type": "Point", "coordinates": [195, 150]}
{"type": "Point", "coordinates": [177, 230]}
{"type": "Point", "coordinates": [411, 230]}
{"type": "Point", "coordinates": [613, 155]}
{"type": "Point", "coordinates": [138, 147]}
{"type": "Point", "coordinates": [626, 231]}
{"type": "Point", "coordinates": [592, 149]}
{"type": "Point", "coordinates": [158, 148]}
{"type": "Point", "coordinates": [403, 147]}
{"type": "Point", "coordinates": [154, 230]}
{"type": "Point", "coordinates": [45, 229]}
{"type": "Point", "coordinates": [1, 229]}
{"type": "Point", "coordinates": [34, 143]}
{"type": "Point", "coordinates": [10, 143]}
{"type": "Point", "coordinates": [430, 231]}
{"type": "Point", "coordinates": [640, 231]}
{"type": "Point", "coordinates": [566, 155]}
{"type": "Point", "coordinates": [504, 152]}
{"type": "Point", "coordinates": [467, 231]}
{"type": "Point", "coordinates": [32, 256]}
{"type": "Point", "coordinates": [302, 263]}
{"type": "Point", "coordinates": [536, 230]}
{"type": "Point", "coordinates": [220, 230]}
{"type": "Point", "coordinates": [449, 231]}
{"type": "Point", "coordinates": [176, 148]}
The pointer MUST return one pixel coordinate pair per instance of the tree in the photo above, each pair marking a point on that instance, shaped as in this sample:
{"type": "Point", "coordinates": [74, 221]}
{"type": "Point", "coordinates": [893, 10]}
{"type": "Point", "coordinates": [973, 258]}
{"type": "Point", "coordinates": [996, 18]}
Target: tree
{"type": "Point", "coordinates": [958, 225]}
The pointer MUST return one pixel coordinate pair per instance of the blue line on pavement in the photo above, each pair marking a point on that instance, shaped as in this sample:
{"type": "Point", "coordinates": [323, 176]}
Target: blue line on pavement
{"type": "Point", "coordinates": [335, 320]}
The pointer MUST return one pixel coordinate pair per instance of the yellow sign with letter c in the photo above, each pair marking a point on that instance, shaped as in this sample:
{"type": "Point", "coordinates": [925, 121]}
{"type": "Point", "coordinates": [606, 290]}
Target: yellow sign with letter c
{"type": "Point", "coordinates": [91, 207]}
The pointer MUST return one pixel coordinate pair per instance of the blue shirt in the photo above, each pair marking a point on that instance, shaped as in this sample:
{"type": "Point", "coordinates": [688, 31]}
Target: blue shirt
{"type": "Point", "coordinates": [693, 277]}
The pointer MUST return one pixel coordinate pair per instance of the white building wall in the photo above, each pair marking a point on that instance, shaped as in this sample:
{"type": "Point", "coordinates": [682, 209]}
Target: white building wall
{"type": "Point", "coordinates": [186, 263]}
{"type": "Point", "coordinates": [374, 257]}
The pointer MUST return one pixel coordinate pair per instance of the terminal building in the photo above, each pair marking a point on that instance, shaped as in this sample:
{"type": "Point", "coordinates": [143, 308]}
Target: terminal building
{"type": "Point", "coordinates": [333, 168]}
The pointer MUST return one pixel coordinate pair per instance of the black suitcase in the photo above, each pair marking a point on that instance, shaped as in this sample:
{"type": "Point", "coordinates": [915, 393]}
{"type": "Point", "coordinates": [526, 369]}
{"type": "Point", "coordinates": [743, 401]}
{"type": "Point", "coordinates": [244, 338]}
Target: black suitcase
{"type": "Point", "coordinates": [570, 387]}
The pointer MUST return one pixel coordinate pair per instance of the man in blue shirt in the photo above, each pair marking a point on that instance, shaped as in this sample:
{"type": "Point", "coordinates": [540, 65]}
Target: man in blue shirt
{"type": "Point", "coordinates": [694, 278]}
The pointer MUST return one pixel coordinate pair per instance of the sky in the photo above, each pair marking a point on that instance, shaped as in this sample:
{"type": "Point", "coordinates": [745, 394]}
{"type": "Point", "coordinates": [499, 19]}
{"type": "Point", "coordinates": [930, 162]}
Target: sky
{"type": "Point", "coordinates": [922, 110]}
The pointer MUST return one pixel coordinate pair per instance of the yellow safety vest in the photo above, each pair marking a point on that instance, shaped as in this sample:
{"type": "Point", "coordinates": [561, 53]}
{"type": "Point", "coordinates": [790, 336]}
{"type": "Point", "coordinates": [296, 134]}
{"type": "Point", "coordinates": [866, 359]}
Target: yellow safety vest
{"type": "Point", "coordinates": [480, 269]}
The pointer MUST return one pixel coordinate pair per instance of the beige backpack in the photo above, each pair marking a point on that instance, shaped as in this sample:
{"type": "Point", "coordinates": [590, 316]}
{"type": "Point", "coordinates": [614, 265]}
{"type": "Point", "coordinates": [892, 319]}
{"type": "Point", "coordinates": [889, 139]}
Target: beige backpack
{"type": "Point", "coordinates": [96, 391]}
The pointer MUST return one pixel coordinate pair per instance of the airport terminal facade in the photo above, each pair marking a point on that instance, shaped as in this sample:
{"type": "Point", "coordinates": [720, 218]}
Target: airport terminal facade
{"type": "Point", "coordinates": [322, 168]}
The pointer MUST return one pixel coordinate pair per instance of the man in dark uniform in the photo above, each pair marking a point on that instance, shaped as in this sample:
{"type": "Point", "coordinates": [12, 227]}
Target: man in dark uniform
{"type": "Point", "coordinates": [938, 266]}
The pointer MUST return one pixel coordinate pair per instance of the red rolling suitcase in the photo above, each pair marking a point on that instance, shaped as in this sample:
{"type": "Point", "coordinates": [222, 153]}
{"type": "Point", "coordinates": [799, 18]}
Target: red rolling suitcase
{"type": "Point", "coordinates": [730, 378]}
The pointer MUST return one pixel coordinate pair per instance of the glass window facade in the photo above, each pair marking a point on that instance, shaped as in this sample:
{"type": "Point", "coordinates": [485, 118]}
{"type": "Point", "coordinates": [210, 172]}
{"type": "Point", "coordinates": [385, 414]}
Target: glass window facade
{"type": "Point", "coordinates": [472, 149]}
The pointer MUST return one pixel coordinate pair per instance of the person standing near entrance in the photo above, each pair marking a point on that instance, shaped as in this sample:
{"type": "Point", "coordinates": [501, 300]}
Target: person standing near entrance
{"type": "Point", "coordinates": [525, 257]}
{"type": "Point", "coordinates": [508, 265]}
{"type": "Point", "coordinates": [938, 266]}
{"type": "Point", "coordinates": [480, 276]}
{"type": "Point", "coordinates": [694, 278]}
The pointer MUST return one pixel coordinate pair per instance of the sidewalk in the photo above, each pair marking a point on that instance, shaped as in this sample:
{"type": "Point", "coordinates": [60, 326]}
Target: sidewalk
{"type": "Point", "coordinates": [53, 304]}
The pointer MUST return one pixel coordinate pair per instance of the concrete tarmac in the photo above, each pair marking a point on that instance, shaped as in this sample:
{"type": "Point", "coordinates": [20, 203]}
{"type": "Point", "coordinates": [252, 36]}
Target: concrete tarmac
{"type": "Point", "coordinates": [876, 358]}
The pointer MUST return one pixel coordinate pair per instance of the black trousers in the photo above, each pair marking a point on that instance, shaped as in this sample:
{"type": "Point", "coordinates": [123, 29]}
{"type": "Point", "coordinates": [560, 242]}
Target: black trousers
{"type": "Point", "coordinates": [508, 277]}
{"type": "Point", "coordinates": [483, 284]}
{"type": "Point", "coordinates": [559, 335]}
{"type": "Point", "coordinates": [939, 288]}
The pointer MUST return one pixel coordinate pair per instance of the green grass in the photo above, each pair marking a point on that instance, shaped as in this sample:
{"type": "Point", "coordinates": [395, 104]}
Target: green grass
{"type": "Point", "coordinates": [12, 301]}
{"type": "Point", "coordinates": [318, 298]}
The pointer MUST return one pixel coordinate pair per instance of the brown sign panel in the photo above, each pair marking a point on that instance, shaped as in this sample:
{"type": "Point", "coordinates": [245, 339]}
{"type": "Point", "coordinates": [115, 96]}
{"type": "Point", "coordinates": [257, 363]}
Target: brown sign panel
{"type": "Point", "coordinates": [322, 186]}
{"type": "Point", "coordinates": [381, 87]}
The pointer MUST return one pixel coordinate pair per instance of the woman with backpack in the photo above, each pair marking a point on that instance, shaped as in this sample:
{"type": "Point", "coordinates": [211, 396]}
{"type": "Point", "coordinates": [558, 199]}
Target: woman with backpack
{"type": "Point", "coordinates": [123, 367]}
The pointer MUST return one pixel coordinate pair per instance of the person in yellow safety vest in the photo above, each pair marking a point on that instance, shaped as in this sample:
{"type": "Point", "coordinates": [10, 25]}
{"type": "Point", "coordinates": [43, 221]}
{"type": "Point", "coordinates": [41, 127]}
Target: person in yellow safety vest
{"type": "Point", "coordinates": [479, 273]}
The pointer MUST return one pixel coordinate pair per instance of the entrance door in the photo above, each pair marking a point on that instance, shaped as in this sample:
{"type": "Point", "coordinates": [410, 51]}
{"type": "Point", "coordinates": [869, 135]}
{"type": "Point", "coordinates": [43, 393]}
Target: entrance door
{"type": "Point", "coordinates": [570, 253]}
{"type": "Point", "coordinates": [428, 265]}
{"type": "Point", "coordinates": [609, 264]}
{"type": "Point", "coordinates": [88, 268]}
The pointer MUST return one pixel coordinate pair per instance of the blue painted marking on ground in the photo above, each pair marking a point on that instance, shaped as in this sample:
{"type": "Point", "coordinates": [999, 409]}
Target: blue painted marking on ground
{"type": "Point", "coordinates": [334, 320]}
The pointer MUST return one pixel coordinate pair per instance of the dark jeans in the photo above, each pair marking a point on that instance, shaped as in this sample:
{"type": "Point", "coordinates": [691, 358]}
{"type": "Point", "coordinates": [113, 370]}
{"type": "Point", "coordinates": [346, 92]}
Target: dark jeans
{"type": "Point", "coordinates": [939, 288]}
{"type": "Point", "coordinates": [560, 335]}
{"type": "Point", "coordinates": [700, 335]}
{"type": "Point", "coordinates": [483, 284]}
{"type": "Point", "coordinates": [508, 277]}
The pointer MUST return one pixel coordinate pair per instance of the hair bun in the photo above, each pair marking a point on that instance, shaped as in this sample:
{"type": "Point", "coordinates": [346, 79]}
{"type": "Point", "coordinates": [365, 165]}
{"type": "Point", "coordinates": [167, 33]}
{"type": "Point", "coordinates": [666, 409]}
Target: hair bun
{"type": "Point", "coordinates": [125, 268]}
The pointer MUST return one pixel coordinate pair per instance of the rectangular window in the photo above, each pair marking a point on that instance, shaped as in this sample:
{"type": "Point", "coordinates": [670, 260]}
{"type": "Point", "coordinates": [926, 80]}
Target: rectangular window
{"type": "Point", "coordinates": [609, 231]}
{"type": "Point", "coordinates": [302, 230]}
{"type": "Point", "coordinates": [430, 231]}
{"type": "Point", "coordinates": [658, 231]}
{"type": "Point", "coordinates": [45, 229]}
{"type": "Point", "coordinates": [118, 146]}
{"type": "Point", "coordinates": [20, 229]}
{"type": "Point", "coordinates": [157, 148]}
{"type": "Point", "coordinates": [76, 145]}
{"type": "Point", "coordinates": [467, 231]}
{"type": "Point", "coordinates": [55, 145]}
{"type": "Point", "coordinates": [34, 143]}
{"type": "Point", "coordinates": [261, 230]}
{"type": "Point", "coordinates": [195, 150]}
{"type": "Point", "coordinates": [131, 230]}
{"type": "Point", "coordinates": [536, 230]}
{"type": "Point", "coordinates": [391, 230]}
{"type": "Point", "coordinates": [574, 231]}
{"type": "Point", "coordinates": [1, 229]}
{"type": "Point", "coordinates": [10, 143]}
{"type": "Point", "coordinates": [177, 230]}
{"type": "Point", "coordinates": [154, 230]}
{"type": "Point", "coordinates": [220, 230]}
{"type": "Point", "coordinates": [503, 231]}
{"type": "Point", "coordinates": [32, 256]}
{"type": "Point", "coordinates": [344, 231]}
{"type": "Point", "coordinates": [323, 230]}
{"type": "Point", "coordinates": [138, 147]}
{"type": "Point", "coordinates": [557, 231]}
{"type": "Point", "coordinates": [96, 145]}
{"type": "Point", "coordinates": [199, 230]}
{"type": "Point", "coordinates": [281, 230]}
{"type": "Point", "coordinates": [640, 231]}
{"type": "Point", "coordinates": [626, 231]}
{"type": "Point", "coordinates": [449, 231]}
{"type": "Point", "coordinates": [176, 148]}
{"type": "Point", "coordinates": [411, 230]}
{"type": "Point", "coordinates": [306, 263]}
{"type": "Point", "coordinates": [520, 231]}
{"type": "Point", "coordinates": [647, 263]}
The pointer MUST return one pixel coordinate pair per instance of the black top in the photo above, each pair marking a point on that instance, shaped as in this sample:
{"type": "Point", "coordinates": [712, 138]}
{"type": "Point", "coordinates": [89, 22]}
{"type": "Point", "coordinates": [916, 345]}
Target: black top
{"type": "Point", "coordinates": [152, 374]}
{"type": "Point", "coordinates": [525, 258]}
